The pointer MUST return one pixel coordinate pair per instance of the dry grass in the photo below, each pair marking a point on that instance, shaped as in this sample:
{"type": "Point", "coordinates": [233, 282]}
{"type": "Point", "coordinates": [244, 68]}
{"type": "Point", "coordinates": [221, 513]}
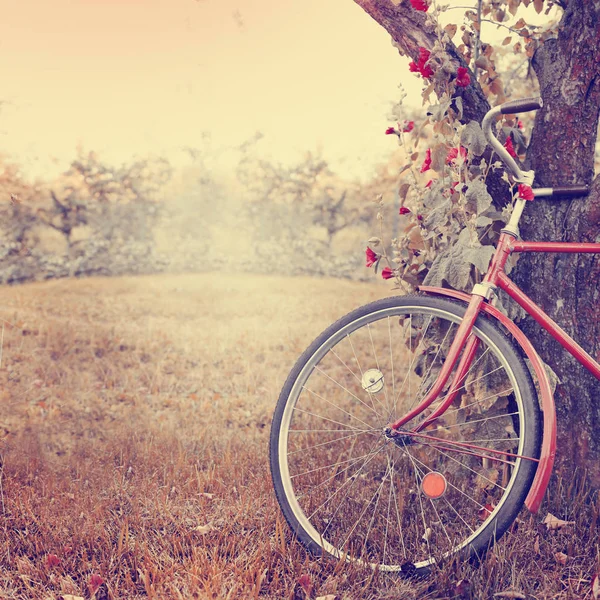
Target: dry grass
{"type": "Point", "coordinates": [136, 415]}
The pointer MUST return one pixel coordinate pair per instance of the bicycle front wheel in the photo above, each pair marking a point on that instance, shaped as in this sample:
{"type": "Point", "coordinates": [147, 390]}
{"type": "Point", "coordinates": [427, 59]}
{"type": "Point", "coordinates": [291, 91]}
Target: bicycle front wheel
{"type": "Point", "coordinates": [405, 503]}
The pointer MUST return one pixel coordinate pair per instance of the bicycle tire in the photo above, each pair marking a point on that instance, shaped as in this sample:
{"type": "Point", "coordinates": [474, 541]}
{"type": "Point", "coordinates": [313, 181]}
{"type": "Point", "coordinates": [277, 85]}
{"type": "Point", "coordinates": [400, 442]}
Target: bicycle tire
{"type": "Point", "coordinates": [521, 473]}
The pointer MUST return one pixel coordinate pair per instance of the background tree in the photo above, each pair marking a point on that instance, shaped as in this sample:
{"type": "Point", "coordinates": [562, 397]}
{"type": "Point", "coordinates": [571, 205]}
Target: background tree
{"type": "Point", "coordinates": [564, 55]}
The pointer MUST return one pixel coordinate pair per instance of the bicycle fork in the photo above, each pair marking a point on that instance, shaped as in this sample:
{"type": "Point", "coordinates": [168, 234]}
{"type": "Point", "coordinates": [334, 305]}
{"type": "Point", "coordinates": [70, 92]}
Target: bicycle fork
{"type": "Point", "coordinates": [463, 341]}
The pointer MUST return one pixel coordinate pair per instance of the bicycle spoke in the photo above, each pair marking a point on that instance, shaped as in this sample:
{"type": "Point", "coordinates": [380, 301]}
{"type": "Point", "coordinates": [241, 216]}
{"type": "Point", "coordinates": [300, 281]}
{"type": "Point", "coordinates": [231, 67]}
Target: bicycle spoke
{"type": "Point", "coordinates": [393, 408]}
{"type": "Point", "coordinates": [336, 406]}
{"type": "Point", "coordinates": [425, 535]}
{"type": "Point", "coordinates": [336, 464]}
{"type": "Point", "coordinates": [331, 420]}
{"type": "Point", "coordinates": [500, 394]}
{"type": "Point", "coordinates": [353, 478]}
{"type": "Point", "coordinates": [462, 387]}
{"type": "Point", "coordinates": [429, 371]}
{"type": "Point", "coordinates": [347, 367]}
{"type": "Point", "coordinates": [369, 431]}
{"type": "Point", "coordinates": [374, 512]}
{"type": "Point", "coordinates": [378, 367]}
{"type": "Point", "coordinates": [317, 368]}
{"type": "Point", "coordinates": [450, 484]}
{"type": "Point", "coordinates": [398, 512]}
{"type": "Point", "coordinates": [387, 519]}
{"type": "Point", "coordinates": [472, 422]}
{"type": "Point", "coordinates": [377, 491]}
{"type": "Point", "coordinates": [345, 437]}
{"type": "Point", "coordinates": [407, 376]}
{"type": "Point", "coordinates": [437, 514]}
{"type": "Point", "coordinates": [468, 468]}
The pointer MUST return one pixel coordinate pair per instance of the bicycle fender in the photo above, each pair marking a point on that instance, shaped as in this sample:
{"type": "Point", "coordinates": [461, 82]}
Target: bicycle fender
{"type": "Point", "coordinates": [548, 449]}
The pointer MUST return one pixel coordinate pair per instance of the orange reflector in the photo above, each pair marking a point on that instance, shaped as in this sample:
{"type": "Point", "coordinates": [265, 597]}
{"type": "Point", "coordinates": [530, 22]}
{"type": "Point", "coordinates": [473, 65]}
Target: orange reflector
{"type": "Point", "coordinates": [434, 485]}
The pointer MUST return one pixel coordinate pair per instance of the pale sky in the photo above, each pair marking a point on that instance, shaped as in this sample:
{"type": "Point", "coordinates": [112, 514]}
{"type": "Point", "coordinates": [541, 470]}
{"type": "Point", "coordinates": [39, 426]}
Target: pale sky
{"type": "Point", "coordinates": [139, 77]}
{"type": "Point", "coordinates": [132, 77]}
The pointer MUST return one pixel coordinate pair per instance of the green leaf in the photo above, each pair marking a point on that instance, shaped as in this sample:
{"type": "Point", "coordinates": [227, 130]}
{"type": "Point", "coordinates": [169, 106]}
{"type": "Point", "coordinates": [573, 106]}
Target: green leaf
{"type": "Point", "coordinates": [403, 190]}
{"type": "Point", "coordinates": [438, 111]}
{"type": "Point", "coordinates": [478, 195]}
{"type": "Point", "coordinates": [473, 138]}
{"type": "Point", "coordinates": [438, 157]}
{"type": "Point", "coordinates": [453, 266]}
{"type": "Point", "coordinates": [483, 221]}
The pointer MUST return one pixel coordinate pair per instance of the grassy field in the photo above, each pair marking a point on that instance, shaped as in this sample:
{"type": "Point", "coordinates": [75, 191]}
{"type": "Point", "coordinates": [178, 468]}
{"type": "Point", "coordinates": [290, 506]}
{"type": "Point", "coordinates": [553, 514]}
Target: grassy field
{"type": "Point", "coordinates": [134, 419]}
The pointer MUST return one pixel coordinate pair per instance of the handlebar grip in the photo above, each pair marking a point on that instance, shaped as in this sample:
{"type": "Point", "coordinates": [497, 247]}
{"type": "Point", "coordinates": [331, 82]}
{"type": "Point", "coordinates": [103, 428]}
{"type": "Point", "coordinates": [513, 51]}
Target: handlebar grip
{"type": "Point", "coordinates": [571, 190]}
{"type": "Point", "coordinates": [523, 105]}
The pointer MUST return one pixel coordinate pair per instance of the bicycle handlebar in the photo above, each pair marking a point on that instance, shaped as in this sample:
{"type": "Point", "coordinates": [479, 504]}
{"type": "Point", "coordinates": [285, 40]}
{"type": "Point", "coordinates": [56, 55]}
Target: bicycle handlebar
{"type": "Point", "coordinates": [564, 191]}
{"type": "Point", "coordinates": [505, 157]}
{"type": "Point", "coordinates": [512, 107]}
{"type": "Point", "coordinates": [522, 105]}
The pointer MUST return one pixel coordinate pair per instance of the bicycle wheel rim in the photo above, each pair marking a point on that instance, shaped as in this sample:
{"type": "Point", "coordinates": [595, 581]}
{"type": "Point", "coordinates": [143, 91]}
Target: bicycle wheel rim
{"type": "Point", "coordinates": [307, 369]}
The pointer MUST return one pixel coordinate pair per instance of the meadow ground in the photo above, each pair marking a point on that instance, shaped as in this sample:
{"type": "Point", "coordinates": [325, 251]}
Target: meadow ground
{"type": "Point", "coordinates": [135, 415]}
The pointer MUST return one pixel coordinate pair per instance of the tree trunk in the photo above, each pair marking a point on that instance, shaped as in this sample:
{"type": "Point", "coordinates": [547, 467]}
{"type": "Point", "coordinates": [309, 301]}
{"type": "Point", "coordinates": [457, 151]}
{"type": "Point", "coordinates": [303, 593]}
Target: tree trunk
{"type": "Point", "coordinates": [567, 286]}
{"type": "Point", "coordinates": [561, 151]}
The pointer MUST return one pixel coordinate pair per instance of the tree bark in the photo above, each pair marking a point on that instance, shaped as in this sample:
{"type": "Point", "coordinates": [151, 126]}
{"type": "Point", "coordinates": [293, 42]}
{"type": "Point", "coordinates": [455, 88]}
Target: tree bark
{"type": "Point", "coordinates": [561, 151]}
{"type": "Point", "coordinates": [567, 286]}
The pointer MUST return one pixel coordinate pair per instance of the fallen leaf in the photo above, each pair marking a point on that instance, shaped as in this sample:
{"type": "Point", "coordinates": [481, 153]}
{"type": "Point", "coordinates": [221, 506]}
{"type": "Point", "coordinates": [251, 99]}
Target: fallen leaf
{"type": "Point", "coordinates": [561, 558]}
{"type": "Point", "coordinates": [52, 561]}
{"type": "Point", "coordinates": [596, 587]}
{"type": "Point", "coordinates": [552, 522]}
{"type": "Point", "coordinates": [207, 495]}
{"type": "Point", "coordinates": [95, 582]}
{"type": "Point", "coordinates": [427, 535]}
{"type": "Point", "coordinates": [305, 583]}
{"type": "Point", "coordinates": [486, 511]}
{"type": "Point", "coordinates": [510, 594]}
{"type": "Point", "coordinates": [462, 588]}
{"type": "Point", "coordinates": [536, 545]}
{"type": "Point", "coordinates": [204, 529]}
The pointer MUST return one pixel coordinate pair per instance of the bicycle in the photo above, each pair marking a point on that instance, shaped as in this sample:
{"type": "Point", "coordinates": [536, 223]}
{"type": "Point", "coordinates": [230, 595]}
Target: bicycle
{"type": "Point", "coordinates": [410, 430]}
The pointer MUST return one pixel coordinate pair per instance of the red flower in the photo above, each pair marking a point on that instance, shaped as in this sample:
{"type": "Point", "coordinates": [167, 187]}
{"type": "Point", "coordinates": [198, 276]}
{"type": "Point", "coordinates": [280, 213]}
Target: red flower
{"type": "Point", "coordinates": [420, 5]}
{"type": "Point", "coordinates": [525, 192]}
{"type": "Point", "coordinates": [407, 126]}
{"type": "Point", "coordinates": [462, 77]}
{"type": "Point", "coordinates": [508, 144]}
{"type": "Point", "coordinates": [485, 511]}
{"type": "Point", "coordinates": [428, 184]}
{"type": "Point", "coordinates": [427, 162]}
{"type": "Point", "coordinates": [403, 210]}
{"type": "Point", "coordinates": [52, 561]}
{"type": "Point", "coordinates": [387, 273]}
{"type": "Point", "coordinates": [95, 582]}
{"type": "Point", "coordinates": [420, 66]}
{"type": "Point", "coordinates": [389, 131]}
{"type": "Point", "coordinates": [453, 155]}
{"type": "Point", "coordinates": [520, 124]}
{"type": "Point", "coordinates": [419, 217]}
{"type": "Point", "coordinates": [371, 257]}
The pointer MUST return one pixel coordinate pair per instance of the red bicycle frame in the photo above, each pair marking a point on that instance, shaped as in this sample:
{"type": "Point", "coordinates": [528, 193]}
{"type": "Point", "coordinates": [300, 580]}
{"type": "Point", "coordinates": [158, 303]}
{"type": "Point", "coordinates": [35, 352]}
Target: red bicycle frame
{"type": "Point", "coordinates": [465, 346]}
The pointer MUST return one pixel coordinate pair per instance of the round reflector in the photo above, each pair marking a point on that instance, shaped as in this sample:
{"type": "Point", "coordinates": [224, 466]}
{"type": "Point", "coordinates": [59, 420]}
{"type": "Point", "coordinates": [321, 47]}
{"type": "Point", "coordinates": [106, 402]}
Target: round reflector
{"type": "Point", "coordinates": [434, 485]}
